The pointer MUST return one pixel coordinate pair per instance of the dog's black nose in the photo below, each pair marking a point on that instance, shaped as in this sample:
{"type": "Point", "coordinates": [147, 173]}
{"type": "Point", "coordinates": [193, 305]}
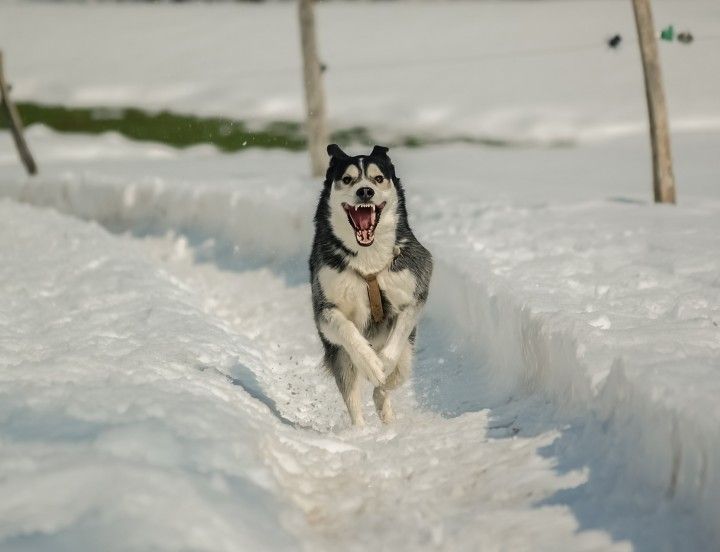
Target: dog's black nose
{"type": "Point", "coordinates": [365, 193]}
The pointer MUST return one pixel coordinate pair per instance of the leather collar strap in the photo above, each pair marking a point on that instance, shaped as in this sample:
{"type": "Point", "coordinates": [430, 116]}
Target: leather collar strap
{"type": "Point", "coordinates": [376, 308]}
{"type": "Point", "coordinates": [373, 287]}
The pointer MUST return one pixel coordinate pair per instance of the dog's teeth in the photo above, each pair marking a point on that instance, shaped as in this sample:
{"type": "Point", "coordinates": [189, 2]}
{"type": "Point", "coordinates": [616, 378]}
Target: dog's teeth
{"type": "Point", "coordinates": [372, 207]}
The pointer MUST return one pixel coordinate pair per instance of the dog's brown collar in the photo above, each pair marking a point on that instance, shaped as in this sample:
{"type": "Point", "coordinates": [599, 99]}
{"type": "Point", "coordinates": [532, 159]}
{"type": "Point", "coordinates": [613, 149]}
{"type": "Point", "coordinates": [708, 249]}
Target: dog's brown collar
{"type": "Point", "coordinates": [373, 289]}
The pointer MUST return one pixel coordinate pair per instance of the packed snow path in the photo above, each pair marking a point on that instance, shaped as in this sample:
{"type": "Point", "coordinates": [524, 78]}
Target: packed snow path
{"type": "Point", "coordinates": [167, 403]}
{"type": "Point", "coordinates": [424, 482]}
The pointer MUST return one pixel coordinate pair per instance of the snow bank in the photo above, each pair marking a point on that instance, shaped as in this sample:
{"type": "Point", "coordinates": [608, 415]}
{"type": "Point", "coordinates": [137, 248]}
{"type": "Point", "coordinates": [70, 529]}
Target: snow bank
{"type": "Point", "coordinates": [618, 328]}
{"type": "Point", "coordinates": [115, 404]}
{"type": "Point", "coordinates": [535, 72]}
{"type": "Point", "coordinates": [606, 312]}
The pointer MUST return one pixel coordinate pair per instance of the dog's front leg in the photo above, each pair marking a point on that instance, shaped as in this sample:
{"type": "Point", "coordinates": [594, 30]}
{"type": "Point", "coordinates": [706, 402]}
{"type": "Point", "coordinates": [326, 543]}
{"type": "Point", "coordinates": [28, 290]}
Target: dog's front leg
{"type": "Point", "coordinates": [338, 330]}
{"type": "Point", "coordinates": [406, 321]}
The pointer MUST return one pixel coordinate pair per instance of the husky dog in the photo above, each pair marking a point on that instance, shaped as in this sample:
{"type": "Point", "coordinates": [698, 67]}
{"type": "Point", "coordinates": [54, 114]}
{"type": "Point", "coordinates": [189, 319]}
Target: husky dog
{"type": "Point", "coordinates": [370, 278]}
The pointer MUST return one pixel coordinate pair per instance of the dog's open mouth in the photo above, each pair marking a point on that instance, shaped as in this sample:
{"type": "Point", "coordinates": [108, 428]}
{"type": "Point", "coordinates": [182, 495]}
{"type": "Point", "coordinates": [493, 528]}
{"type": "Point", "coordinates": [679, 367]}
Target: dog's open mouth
{"type": "Point", "coordinates": [364, 219]}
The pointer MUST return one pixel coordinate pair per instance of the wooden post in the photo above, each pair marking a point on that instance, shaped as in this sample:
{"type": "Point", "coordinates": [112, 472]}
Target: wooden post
{"type": "Point", "coordinates": [314, 95]}
{"type": "Point", "coordinates": [13, 117]}
{"type": "Point", "coordinates": [663, 180]}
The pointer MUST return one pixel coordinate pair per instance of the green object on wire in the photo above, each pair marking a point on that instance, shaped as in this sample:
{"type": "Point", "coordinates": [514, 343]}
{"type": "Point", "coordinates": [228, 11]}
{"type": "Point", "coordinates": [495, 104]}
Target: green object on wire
{"type": "Point", "coordinates": [668, 33]}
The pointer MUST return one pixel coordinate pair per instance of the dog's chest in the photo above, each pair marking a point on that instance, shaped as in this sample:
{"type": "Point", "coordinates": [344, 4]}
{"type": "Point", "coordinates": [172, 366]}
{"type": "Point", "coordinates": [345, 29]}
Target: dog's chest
{"type": "Point", "coordinates": [348, 291]}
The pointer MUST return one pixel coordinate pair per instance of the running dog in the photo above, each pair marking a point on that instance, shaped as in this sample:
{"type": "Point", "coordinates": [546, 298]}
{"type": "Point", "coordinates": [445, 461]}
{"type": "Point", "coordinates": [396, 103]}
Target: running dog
{"type": "Point", "coordinates": [370, 278]}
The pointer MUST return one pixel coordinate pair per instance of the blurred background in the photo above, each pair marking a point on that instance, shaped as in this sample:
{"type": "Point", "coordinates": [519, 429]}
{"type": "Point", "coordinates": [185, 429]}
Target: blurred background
{"type": "Point", "coordinates": [493, 74]}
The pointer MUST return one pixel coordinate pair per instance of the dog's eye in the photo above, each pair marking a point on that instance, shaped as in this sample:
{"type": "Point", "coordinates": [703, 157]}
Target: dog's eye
{"type": "Point", "coordinates": [379, 179]}
{"type": "Point", "coordinates": [347, 179]}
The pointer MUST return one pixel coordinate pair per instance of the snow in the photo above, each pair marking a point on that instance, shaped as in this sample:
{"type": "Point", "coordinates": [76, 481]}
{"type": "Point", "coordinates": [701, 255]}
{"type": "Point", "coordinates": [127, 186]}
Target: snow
{"type": "Point", "coordinates": [564, 396]}
{"type": "Point", "coordinates": [125, 416]}
{"type": "Point", "coordinates": [160, 387]}
{"type": "Point", "coordinates": [119, 428]}
{"type": "Point", "coordinates": [523, 72]}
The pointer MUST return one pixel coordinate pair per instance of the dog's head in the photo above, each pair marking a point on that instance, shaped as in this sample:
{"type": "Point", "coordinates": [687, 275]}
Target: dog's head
{"type": "Point", "coordinates": [363, 196]}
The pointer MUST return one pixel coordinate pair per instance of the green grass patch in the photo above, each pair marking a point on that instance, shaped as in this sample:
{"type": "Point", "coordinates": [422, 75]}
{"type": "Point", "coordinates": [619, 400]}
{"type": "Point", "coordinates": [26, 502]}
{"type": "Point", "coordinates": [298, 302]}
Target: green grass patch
{"type": "Point", "coordinates": [176, 129]}
{"type": "Point", "coordinates": [168, 128]}
{"type": "Point", "coordinates": [226, 134]}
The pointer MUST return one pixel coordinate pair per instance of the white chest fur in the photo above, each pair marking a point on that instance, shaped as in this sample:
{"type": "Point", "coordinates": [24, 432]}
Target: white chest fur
{"type": "Point", "coordinates": [347, 290]}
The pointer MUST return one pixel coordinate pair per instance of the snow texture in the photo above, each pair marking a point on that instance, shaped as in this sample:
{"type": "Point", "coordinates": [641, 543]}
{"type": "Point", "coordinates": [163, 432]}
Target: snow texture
{"type": "Point", "coordinates": [119, 428]}
{"type": "Point", "coordinates": [564, 396]}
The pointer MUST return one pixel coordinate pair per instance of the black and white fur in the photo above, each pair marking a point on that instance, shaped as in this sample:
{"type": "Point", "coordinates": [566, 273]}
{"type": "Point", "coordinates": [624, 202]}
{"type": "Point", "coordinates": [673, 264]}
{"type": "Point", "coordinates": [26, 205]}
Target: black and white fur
{"type": "Point", "coordinates": [355, 345]}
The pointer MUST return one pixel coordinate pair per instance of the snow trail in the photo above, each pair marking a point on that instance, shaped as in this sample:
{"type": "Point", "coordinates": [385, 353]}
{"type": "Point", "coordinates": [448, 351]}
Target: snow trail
{"type": "Point", "coordinates": [478, 478]}
{"type": "Point", "coordinates": [153, 448]}
{"type": "Point", "coordinates": [425, 482]}
{"type": "Point", "coordinates": [529, 421]}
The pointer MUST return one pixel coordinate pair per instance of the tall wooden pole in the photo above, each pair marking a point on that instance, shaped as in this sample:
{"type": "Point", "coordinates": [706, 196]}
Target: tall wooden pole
{"type": "Point", "coordinates": [314, 95]}
{"type": "Point", "coordinates": [663, 179]}
{"type": "Point", "coordinates": [15, 123]}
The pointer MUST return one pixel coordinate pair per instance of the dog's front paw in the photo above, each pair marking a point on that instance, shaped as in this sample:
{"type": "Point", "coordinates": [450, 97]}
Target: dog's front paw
{"type": "Point", "coordinates": [372, 367]}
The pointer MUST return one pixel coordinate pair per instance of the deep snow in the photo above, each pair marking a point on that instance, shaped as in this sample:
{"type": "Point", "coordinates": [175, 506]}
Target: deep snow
{"type": "Point", "coordinates": [528, 71]}
{"type": "Point", "coordinates": [568, 362]}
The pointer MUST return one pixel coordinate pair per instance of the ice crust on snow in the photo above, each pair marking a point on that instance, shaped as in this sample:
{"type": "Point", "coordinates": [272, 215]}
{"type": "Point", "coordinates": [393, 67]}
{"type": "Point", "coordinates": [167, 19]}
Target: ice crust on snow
{"type": "Point", "coordinates": [589, 329]}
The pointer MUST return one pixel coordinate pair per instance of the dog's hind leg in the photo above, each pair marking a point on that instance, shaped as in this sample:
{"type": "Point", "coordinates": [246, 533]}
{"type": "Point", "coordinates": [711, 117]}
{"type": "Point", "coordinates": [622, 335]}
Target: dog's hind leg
{"type": "Point", "coordinates": [349, 384]}
{"type": "Point", "coordinates": [381, 397]}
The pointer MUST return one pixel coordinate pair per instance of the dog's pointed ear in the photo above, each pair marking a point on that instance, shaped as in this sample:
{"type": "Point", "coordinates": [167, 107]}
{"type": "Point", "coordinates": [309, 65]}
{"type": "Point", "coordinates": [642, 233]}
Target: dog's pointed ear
{"type": "Point", "coordinates": [335, 151]}
{"type": "Point", "coordinates": [379, 151]}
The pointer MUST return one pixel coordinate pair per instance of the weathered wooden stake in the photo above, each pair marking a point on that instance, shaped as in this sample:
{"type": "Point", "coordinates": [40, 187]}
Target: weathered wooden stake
{"type": "Point", "coordinates": [13, 117]}
{"type": "Point", "coordinates": [314, 95]}
{"type": "Point", "coordinates": [663, 180]}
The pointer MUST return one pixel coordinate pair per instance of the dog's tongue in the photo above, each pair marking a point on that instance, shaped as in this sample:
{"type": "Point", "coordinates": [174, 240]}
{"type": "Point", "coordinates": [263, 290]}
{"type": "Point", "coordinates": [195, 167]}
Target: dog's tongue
{"type": "Point", "coordinates": [362, 217]}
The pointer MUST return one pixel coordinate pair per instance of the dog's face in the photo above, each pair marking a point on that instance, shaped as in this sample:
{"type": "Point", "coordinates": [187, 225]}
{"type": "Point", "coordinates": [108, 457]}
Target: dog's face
{"type": "Point", "coordinates": [363, 197]}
